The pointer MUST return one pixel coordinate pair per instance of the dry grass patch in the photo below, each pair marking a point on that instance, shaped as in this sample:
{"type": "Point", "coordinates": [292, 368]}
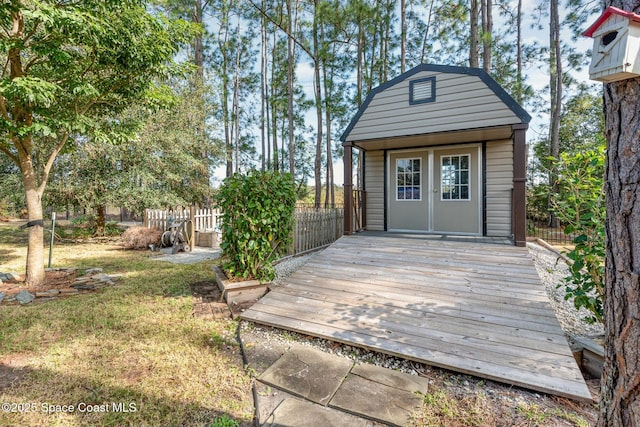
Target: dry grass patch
{"type": "Point", "coordinates": [135, 345]}
{"type": "Point", "coordinates": [456, 400]}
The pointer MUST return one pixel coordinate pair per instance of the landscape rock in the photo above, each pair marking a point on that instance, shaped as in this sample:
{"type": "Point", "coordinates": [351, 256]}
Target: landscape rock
{"type": "Point", "coordinates": [24, 297]}
{"type": "Point", "coordinates": [94, 279]}
{"type": "Point", "coordinates": [5, 277]}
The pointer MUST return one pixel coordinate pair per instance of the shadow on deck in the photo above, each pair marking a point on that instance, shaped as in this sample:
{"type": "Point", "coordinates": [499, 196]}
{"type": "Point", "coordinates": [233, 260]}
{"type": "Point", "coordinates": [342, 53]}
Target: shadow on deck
{"type": "Point", "coordinates": [473, 307]}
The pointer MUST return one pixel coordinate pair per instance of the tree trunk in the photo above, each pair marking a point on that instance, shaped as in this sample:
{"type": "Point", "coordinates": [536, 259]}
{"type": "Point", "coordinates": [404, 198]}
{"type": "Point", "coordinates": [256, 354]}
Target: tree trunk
{"type": "Point", "coordinates": [198, 46]}
{"type": "Point", "coordinates": [223, 37]}
{"type": "Point", "coordinates": [329, 199]}
{"type": "Point", "coordinates": [360, 63]}
{"type": "Point", "coordinates": [263, 89]}
{"type": "Point", "coordinates": [620, 385]}
{"type": "Point", "coordinates": [519, 80]}
{"type": "Point", "coordinates": [35, 249]}
{"type": "Point", "coordinates": [317, 166]}
{"type": "Point", "coordinates": [473, 43]}
{"type": "Point", "coordinates": [555, 83]}
{"type": "Point", "coordinates": [101, 220]}
{"type": "Point", "coordinates": [235, 108]}
{"type": "Point", "coordinates": [272, 105]}
{"type": "Point", "coordinates": [290, 83]}
{"type": "Point", "coordinates": [403, 36]}
{"type": "Point", "coordinates": [487, 30]}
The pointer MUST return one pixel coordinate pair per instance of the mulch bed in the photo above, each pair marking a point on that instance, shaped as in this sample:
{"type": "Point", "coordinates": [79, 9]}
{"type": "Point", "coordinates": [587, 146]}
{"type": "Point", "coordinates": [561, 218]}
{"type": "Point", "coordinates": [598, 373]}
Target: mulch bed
{"type": "Point", "coordinates": [208, 302]}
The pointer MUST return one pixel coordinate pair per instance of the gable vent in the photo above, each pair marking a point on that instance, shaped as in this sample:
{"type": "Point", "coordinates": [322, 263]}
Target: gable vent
{"type": "Point", "coordinates": [422, 91]}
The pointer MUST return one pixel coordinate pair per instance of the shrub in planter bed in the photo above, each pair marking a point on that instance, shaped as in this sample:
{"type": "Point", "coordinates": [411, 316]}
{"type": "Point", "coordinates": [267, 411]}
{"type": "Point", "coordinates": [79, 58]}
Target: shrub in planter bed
{"type": "Point", "coordinates": [257, 222]}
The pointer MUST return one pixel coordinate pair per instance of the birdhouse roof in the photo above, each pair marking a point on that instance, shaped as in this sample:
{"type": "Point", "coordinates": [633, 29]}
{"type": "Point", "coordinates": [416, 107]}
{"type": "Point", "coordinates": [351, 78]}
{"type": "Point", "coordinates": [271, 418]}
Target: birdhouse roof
{"type": "Point", "coordinates": [605, 15]}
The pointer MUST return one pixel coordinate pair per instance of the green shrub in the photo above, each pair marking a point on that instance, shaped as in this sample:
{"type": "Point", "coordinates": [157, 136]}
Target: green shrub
{"type": "Point", "coordinates": [580, 205]}
{"type": "Point", "coordinates": [257, 222]}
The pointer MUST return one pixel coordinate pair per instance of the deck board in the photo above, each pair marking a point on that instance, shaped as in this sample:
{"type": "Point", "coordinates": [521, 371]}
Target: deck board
{"type": "Point", "coordinates": [475, 308]}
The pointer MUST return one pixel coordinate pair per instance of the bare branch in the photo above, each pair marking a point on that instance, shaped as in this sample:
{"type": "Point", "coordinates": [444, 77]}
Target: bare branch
{"type": "Point", "coordinates": [281, 27]}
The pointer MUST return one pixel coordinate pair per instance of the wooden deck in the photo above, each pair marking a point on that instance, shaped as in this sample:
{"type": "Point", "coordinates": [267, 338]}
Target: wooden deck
{"type": "Point", "coordinates": [476, 308]}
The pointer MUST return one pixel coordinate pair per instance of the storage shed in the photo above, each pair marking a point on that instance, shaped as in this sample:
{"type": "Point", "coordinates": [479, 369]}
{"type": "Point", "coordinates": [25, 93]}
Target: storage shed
{"type": "Point", "coordinates": [444, 151]}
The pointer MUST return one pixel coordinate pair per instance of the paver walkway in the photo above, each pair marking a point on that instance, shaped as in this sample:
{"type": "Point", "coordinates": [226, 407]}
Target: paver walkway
{"type": "Point", "coordinates": [336, 392]}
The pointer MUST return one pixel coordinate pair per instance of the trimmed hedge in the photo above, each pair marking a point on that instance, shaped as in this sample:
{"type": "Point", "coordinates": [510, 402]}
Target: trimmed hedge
{"type": "Point", "coordinates": [257, 222]}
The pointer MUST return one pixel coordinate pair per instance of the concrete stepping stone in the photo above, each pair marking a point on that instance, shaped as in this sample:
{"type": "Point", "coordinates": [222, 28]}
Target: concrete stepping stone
{"type": "Point", "coordinates": [380, 394]}
{"type": "Point", "coordinates": [299, 413]}
{"type": "Point", "coordinates": [308, 373]}
{"type": "Point", "coordinates": [396, 379]}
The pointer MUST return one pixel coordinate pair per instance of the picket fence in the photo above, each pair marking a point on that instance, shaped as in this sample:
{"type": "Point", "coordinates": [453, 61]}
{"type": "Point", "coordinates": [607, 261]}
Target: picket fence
{"type": "Point", "coordinates": [204, 219]}
{"type": "Point", "coordinates": [313, 228]}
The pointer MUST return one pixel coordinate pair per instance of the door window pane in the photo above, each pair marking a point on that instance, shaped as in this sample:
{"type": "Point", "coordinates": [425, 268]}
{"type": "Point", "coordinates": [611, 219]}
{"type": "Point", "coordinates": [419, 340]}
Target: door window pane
{"type": "Point", "coordinates": [454, 177]}
{"type": "Point", "coordinates": [408, 181]}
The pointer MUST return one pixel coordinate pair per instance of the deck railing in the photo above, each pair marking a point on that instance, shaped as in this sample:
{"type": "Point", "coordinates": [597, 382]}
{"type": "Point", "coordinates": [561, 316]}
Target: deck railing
{"type": "Point", "coordinates": [315, 228]}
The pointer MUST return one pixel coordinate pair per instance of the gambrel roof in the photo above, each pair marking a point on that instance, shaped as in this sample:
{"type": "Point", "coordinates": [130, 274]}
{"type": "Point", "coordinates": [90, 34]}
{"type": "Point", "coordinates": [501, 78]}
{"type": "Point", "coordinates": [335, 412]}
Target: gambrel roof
{"type": "Point", "coordinates": [430, 99]}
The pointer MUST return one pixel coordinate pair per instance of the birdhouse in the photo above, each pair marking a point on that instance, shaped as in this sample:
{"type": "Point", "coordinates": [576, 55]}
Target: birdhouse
{"type": "Point", "coordinates": [616, 46]}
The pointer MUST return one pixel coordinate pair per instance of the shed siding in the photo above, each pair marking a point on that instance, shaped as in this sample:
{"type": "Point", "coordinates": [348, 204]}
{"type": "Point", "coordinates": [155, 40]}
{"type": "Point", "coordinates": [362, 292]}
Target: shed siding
{"type": "Point", "coordinates": [389, 113]}
{"type": "Point", "coordinates": [499, 173]}
{"type": "Point", "coordinates": [374, 187]}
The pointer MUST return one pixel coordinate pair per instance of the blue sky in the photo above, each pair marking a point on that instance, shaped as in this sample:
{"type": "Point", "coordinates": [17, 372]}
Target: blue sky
{"type": "Point", "coordinates": [537, 75]}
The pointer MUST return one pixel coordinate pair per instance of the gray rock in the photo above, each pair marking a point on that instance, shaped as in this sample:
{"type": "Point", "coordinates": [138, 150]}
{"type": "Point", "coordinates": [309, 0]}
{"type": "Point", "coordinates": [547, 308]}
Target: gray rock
{"type": "Point", "coordinates": [25, 297]}
{"type": "Point", "coordinates": [1, 296]}
{"type": "Point", "coordinates": [94, 270]}
{"type": "Point", "coordinates": [13, 276]}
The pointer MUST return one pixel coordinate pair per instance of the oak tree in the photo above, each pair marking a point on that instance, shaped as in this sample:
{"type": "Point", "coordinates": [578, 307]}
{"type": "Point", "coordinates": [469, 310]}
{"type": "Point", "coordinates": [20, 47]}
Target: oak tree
{"type": "Point", "coordinates": [67, 64]}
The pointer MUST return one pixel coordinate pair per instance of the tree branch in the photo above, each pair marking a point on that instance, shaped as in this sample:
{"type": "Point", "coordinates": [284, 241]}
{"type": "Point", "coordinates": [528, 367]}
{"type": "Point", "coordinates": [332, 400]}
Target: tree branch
{"type": "Point", "coordinates": [3, 108]}
{"type": "Point", "coordinates": [49, 164]}
{"type": "Point", "coordinates": [35, 60]}
{"type": "Point", "coordinates": [9, 154]}
{"type": "Point", "coordinates": [95, 101]}
{"type": "Point", "coordinates": [284, 30]}
{"type": "Point", "coordinates": [32, 32]}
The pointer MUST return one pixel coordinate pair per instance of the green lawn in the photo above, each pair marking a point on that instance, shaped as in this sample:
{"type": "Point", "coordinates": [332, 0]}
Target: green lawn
{"type": "Point", "coordinates": [134, 346]}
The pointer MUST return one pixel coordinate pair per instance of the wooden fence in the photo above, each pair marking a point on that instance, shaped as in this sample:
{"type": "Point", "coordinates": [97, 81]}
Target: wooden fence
{"type": "Point", "coordinates": [313, 228]}
{"type": "Point", "coordinates": [204, 220]}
